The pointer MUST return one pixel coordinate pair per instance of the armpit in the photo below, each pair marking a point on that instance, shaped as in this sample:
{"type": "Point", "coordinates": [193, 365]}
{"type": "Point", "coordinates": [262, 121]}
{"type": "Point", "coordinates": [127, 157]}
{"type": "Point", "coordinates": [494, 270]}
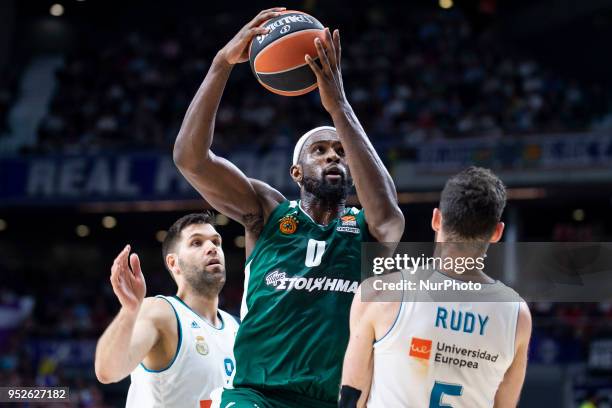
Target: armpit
{"type": "Point", "coordinates": [253, 223]}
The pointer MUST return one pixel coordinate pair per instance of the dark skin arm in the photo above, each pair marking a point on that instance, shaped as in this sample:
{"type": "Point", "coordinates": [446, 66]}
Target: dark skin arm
{"type": "Point", "coordinates": [374, 185]}
{"type": "Point", "coordinates": [223, 185]}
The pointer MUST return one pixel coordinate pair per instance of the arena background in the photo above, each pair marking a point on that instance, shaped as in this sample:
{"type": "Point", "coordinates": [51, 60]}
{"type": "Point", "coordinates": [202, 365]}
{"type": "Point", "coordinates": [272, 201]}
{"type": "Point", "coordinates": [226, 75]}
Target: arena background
{"type": "Point", "coordinates": [92, 94]}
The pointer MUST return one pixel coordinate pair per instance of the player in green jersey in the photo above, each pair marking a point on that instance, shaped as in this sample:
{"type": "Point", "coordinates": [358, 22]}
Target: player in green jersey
{"type": "Point", "coordinates": [303, 256]}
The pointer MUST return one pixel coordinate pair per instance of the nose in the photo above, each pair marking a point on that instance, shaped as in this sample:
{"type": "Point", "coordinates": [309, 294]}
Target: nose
{"type": "Point", "coordinates": [332, 157]}
{"type": "Point", "coordinates": [211, 248]}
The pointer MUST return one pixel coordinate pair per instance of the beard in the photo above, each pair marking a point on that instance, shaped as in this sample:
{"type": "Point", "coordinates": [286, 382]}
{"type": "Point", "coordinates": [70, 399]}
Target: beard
{"type": "Point", "coordinates": [326, 191]}
{"type": "Point", "coordinates": [201, 281]}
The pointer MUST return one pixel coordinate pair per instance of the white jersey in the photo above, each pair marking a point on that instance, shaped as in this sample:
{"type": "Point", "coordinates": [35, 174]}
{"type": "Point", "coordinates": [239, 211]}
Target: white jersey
{"type": "Point", "coordinates": [445, 354]}
{"type": "Point", "coordinates": [204, 361]}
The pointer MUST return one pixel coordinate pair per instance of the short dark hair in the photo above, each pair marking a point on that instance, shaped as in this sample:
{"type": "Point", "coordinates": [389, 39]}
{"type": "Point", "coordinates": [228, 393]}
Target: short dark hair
{"type": "Point", "coordinates": [472, 203]}
{"type": "Point", "coordinates": [174, 232]}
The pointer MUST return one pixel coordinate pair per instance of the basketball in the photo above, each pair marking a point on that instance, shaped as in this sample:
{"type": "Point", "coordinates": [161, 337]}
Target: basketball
{"type": "Point", "coordinates": [277, 58]}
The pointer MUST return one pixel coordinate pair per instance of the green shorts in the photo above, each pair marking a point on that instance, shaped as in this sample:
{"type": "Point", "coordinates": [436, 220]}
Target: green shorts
{"type": "Point", "coordinates": [252, 398]}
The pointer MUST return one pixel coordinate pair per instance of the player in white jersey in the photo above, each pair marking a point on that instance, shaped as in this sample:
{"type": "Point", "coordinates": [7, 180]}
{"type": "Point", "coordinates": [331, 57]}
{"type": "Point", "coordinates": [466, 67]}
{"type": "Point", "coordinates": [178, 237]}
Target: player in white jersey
{"type": "Point", "coordinates": [426, 349]}
{"type": "Point", "coordinates": [178, 349]}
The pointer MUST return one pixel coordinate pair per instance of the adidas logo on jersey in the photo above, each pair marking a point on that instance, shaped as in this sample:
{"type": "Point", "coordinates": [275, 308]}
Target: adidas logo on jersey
{"type": "Point", "coordinates": [280, 282]}
{"type": "Point", "coordinates": [195, 325]}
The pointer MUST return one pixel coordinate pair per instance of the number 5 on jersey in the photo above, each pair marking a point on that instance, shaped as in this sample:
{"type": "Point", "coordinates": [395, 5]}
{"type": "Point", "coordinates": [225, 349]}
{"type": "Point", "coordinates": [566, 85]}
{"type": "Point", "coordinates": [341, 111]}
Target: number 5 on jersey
{"type": "Point", "coordinates": [314, 253]}
{"type": "Point", "coordinates": [439, 390]}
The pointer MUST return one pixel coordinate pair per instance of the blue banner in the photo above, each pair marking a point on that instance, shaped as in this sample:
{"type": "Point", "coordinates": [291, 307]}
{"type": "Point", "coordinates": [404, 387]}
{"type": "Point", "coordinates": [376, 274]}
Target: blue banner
{"type": "Point", "coordinates": [123, 177]}
{"type": "Point", "coordinates": [519, 161]}
{"type": "Point", "coordinates": [152, 176]}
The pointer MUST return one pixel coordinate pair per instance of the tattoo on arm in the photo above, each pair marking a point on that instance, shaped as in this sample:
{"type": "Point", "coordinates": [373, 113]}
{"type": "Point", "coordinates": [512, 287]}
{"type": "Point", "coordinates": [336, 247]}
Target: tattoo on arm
{"type": "Point", "coordinates": [253, 223]}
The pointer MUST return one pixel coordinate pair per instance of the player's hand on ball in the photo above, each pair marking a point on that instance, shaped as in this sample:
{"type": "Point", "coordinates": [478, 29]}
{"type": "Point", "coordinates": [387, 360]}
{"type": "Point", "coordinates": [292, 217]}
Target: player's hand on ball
{"type": "Point", "coordinates": [128, 285]}
{"type": "Point", "coordinates": [329, 75]}
{"type": "Point", "coordinates": [237, 50]}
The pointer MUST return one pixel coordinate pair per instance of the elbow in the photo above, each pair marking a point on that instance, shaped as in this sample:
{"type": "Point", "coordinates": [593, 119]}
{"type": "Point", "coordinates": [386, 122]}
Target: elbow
{"type": "Point", "coordinates": [397, 223]}
{"type": "Point", "coordinates": [179, 157]}
{"type": "Point", "coordinates": [397, 217]}
{"type": "Point", "coordinates": [103, 379]}
{"type": "Point", "coordinates": [401, 220]}
{"type": "Point", "coordinates": [103, 375]}
{"type": "Point", "coordinates": [188, 161]}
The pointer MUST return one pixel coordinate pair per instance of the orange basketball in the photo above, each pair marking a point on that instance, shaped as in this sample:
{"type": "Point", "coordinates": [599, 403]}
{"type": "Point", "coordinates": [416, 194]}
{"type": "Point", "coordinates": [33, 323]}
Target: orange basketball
{"type": "Point", "coordinates": [277, 58]}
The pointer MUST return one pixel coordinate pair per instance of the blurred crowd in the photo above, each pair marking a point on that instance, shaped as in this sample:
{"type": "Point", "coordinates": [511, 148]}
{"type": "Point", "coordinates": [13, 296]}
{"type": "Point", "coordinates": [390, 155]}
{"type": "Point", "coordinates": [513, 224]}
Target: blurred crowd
{"type": "Point", "coordinates": [48, 331]}
{"type": "Point", "coordinates": [8, 92]}
{"type": "Point", "coordinates": [409, 77]}
{"type": "Point", "coordinates": [570, 327]}
{"type": "Point", "coordinates": [49, 342]}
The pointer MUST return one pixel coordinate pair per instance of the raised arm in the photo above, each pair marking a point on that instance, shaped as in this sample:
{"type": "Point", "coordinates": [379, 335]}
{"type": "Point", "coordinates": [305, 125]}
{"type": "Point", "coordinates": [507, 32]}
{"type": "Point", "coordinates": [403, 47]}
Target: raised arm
{"type": "Point", "coordinates": [137, 327]}
{"type": "Point", "coordinates": [509, 391]}
{"type": "Point", "coordinates": [374, 185]}
{"type": "Point", "coordinates": [221, 183]}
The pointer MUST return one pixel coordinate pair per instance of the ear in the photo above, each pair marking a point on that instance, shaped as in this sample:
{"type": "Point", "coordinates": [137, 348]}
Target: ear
{"type": "Point", "coordinates": [436, 220]}
{"type": "Point", "coordinates": [296, 173]}
{"type": "Point", "coordinates": [172, 264]}
{"type": "Point", "coordinates": [497, 234]}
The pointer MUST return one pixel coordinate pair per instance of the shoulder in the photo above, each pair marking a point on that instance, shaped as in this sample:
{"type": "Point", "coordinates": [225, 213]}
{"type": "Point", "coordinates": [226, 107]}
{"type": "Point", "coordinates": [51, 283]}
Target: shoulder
{"type": "Point", "coordinates": [268, 195]}
{"type": "Point", "coordinates": [523, 325]}
{"type": "Point", "coordinates": [265, 190]}
{"type": "Point", "coordinates": [159, 311]}
{"type": "Point", "coordinates": [377, 308]}
{"type": "Point", "coordinates": [269, 198]}
{"type": "Point", "coordinates": [380, 288]}
{"type": "Point", "coordinates": [373, 300]}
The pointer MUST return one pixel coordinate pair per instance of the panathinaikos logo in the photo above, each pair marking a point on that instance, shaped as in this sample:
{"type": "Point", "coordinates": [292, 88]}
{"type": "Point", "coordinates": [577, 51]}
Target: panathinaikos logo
{"type": "Point", "coordinates": [288, 224]}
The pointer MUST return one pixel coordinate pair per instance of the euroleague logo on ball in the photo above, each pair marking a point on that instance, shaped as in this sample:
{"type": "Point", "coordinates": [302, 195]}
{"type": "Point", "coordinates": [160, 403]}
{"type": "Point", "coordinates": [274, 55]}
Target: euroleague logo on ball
{"type": "Point", "coordinates": [277, 56]}
{"type": "Point", "coordinates": [284, 22]}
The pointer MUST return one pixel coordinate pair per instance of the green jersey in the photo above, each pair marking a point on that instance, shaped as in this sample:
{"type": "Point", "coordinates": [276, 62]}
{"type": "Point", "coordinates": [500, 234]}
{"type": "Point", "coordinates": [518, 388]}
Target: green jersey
{"type": "Point", "coordinates": [300, 281]}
